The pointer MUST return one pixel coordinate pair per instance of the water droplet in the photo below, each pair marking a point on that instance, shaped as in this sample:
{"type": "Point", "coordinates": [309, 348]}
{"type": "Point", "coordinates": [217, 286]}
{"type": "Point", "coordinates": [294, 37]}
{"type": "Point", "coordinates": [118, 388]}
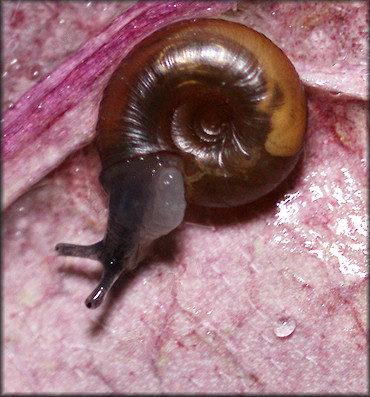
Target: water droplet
{"type": "Point", "coordinates": [284, 327]}
{"type": "Point", "coordinates": [35, 72]}
{"type": "Point", "coordinates": [9, 105]}
{"type": "Point", "coordinates": [211, 336]}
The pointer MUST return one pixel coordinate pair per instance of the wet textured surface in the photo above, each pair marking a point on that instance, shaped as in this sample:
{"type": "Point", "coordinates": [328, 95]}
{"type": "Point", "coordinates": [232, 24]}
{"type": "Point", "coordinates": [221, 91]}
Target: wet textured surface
{"type": "Point", "coordinates": [269, 297]}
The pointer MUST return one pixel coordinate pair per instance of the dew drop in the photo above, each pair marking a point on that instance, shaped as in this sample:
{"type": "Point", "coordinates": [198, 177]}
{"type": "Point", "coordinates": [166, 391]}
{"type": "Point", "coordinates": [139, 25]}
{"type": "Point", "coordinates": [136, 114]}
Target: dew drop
{"type": "Point", "coordinates": [211, 335]}
{"type": "Point", "coordinates": [284, 327]}
{"type": "Point", "coordinates": [35, 72]}
{"type": "Point", "coordinates": [8, 105]}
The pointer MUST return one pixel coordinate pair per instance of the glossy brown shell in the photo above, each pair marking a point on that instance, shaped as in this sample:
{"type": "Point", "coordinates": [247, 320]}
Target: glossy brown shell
{"type": "Point", "coordinates": [221, 96]}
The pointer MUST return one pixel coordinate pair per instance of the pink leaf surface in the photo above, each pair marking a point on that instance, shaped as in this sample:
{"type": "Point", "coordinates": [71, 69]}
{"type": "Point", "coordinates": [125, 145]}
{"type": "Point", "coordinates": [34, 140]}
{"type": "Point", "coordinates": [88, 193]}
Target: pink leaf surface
{"type": "Point", "coordinates": [268, 297]}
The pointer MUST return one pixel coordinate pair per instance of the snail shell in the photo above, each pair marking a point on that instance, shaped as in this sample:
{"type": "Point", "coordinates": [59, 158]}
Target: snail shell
{"type": "Point", "coordinates": [206, 111]}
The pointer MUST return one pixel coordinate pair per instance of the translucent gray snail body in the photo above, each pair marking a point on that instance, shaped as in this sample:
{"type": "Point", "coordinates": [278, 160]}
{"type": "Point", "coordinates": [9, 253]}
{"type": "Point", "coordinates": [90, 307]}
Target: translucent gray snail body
{"type": "Point", "coordinates": [205, 111]}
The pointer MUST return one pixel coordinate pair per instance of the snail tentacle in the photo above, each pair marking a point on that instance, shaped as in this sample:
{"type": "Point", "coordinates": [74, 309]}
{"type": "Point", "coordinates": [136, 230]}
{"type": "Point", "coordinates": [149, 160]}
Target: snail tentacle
{"type": "Point", "coordinates": [147, 203]}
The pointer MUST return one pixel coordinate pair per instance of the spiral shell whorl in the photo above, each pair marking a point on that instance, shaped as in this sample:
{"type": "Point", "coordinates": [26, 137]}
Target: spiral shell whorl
{"type": "Point", "coordinates": [195, 90]}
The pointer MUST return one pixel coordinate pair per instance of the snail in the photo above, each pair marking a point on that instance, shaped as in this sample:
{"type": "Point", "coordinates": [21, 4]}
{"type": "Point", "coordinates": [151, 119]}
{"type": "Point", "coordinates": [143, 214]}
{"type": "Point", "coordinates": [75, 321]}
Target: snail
{"type": "Point", "coordinates": [203, 111]}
